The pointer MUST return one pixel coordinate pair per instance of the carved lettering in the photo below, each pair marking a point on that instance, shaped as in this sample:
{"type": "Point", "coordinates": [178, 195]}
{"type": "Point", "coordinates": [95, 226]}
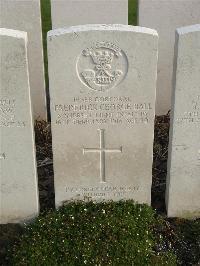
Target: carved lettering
{"type": "Point", "coordinates": [102, 191]}
{"type": "Point", "coordinates": [193, 115]}
{"type": "Point", "coordinates": [102, 110]}
{"type": "Point", "coordinates": [8, 116]}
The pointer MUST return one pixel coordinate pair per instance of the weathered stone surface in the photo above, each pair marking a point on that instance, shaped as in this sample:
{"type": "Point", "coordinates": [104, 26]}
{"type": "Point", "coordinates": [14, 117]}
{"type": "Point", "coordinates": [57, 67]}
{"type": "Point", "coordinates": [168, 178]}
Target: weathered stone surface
{"type": "Point", "coordinates": [183, 186]}
{"type": "Point", "coordinates": [165, 16]}
{"type": "Point", "coordinates": [102, 105]}
{"type": "Point", "coordinates": [66, 13]}
{"type": "Point", "coordinates": [25, 15]}
{"type": "Point", "coordinates": [18, 192]}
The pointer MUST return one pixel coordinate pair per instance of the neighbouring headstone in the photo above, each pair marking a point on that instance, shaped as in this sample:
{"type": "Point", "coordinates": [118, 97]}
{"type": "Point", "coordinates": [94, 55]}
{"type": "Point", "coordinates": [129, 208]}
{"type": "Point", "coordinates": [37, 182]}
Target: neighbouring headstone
{"type": "Point", "coordinates": [102, 87]}
{"type": "Point", "coordinates": [25, 15]}
{"type": "Point", "coordinates": [66, 13]}
{"type": "Point", "coordinates": [183, 183]}
{"type": "Point", "coordinates": [165, 16]}
{"type": "Point", "coordinates": [18, 191]}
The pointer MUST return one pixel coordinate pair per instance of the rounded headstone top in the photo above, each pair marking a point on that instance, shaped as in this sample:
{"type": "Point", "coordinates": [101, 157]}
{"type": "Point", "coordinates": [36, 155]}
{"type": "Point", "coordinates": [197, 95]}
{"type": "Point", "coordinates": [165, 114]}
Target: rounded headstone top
{"type": "Point", "coordinates": [13, 33]}
{"type": "Point", "coordinates": [101, 27]}
{"type": "Point", "coordinates": [188, 29]}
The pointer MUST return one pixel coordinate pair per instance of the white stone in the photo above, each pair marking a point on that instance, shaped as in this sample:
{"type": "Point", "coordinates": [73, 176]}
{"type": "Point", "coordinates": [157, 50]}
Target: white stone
{"type": "Point", "coordinates": [66, 13]}
{"type": "Point", "coordinates": [25, 15]}
{"type": "Point", "coordinates": [165, 16]}
{"type": "Point", "coordinates": [102, 87]}
{"type": "Point", "coordinates": [18, 192]}
{"type": "Point", "coordinates": [183, 182]}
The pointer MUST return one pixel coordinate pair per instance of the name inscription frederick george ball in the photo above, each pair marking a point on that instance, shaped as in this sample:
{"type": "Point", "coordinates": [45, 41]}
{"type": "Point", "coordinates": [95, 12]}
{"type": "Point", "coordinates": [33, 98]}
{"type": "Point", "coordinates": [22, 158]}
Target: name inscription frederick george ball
{"type": "Point", "coordinates": [102, 110]}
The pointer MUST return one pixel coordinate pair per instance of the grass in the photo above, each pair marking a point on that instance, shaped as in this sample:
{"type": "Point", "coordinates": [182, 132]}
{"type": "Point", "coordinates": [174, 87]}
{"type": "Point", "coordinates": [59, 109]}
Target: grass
{"type": "Point", "coordinates": [132, 12]}
{"type": "Point", "coordinates": [46, 26]}
{"type": "Point", "coordinates": [111, 233]}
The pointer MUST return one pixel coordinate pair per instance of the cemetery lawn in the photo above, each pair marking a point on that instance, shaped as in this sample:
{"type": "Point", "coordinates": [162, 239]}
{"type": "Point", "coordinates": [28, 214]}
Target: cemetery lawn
{"type": "Point", "coordinates": [111, 228]}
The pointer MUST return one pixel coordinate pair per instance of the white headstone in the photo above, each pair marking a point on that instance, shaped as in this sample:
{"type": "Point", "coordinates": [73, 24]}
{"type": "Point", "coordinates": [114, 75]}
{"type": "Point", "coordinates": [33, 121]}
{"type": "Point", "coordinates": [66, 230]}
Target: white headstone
{"type": "Point", "coordinates": [18, 191]}
{"type": "Point", "coordinates": [165, 16]}
{"type": "Point", "coordinates": [102, 87]}
{"type": "Point", "coordinates": [25, 15]}
{"type": "Point", "coordinates": [66, 13]}
{"type": "Point", "coordinates": [183, 184]}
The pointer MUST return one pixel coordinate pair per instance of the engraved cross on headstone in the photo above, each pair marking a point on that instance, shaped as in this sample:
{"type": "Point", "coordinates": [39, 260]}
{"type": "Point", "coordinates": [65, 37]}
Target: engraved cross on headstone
{"type": "Point", "coordinates": [102, 150]}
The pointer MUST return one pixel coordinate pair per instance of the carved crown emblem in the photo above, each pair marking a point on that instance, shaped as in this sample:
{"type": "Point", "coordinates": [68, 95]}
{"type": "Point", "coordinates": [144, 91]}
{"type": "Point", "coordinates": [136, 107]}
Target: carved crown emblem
{"type": "Point", "coordinates": [101, 59]}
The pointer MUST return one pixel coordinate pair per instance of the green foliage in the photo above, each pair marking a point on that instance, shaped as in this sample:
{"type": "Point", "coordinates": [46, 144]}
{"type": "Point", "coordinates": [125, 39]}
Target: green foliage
{"type": "Point", "coordinates": [46, 26]}
{"type": "Point", "coordinates": [132, 12]}
{"type": "Point", "coordinates": [90, 233]}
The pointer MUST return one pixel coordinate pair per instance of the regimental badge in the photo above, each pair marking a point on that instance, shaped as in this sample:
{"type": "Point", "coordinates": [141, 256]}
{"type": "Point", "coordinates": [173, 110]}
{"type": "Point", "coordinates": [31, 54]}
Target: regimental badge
{"type": "Point", "coordinates": [102, 66]}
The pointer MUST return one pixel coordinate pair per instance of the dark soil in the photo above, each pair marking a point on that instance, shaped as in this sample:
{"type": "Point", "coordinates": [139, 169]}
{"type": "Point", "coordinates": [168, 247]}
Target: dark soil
{"type": "Point", "coordinates": [45, 165]}
{"type": "Point", "coordinates": [160, 154]}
